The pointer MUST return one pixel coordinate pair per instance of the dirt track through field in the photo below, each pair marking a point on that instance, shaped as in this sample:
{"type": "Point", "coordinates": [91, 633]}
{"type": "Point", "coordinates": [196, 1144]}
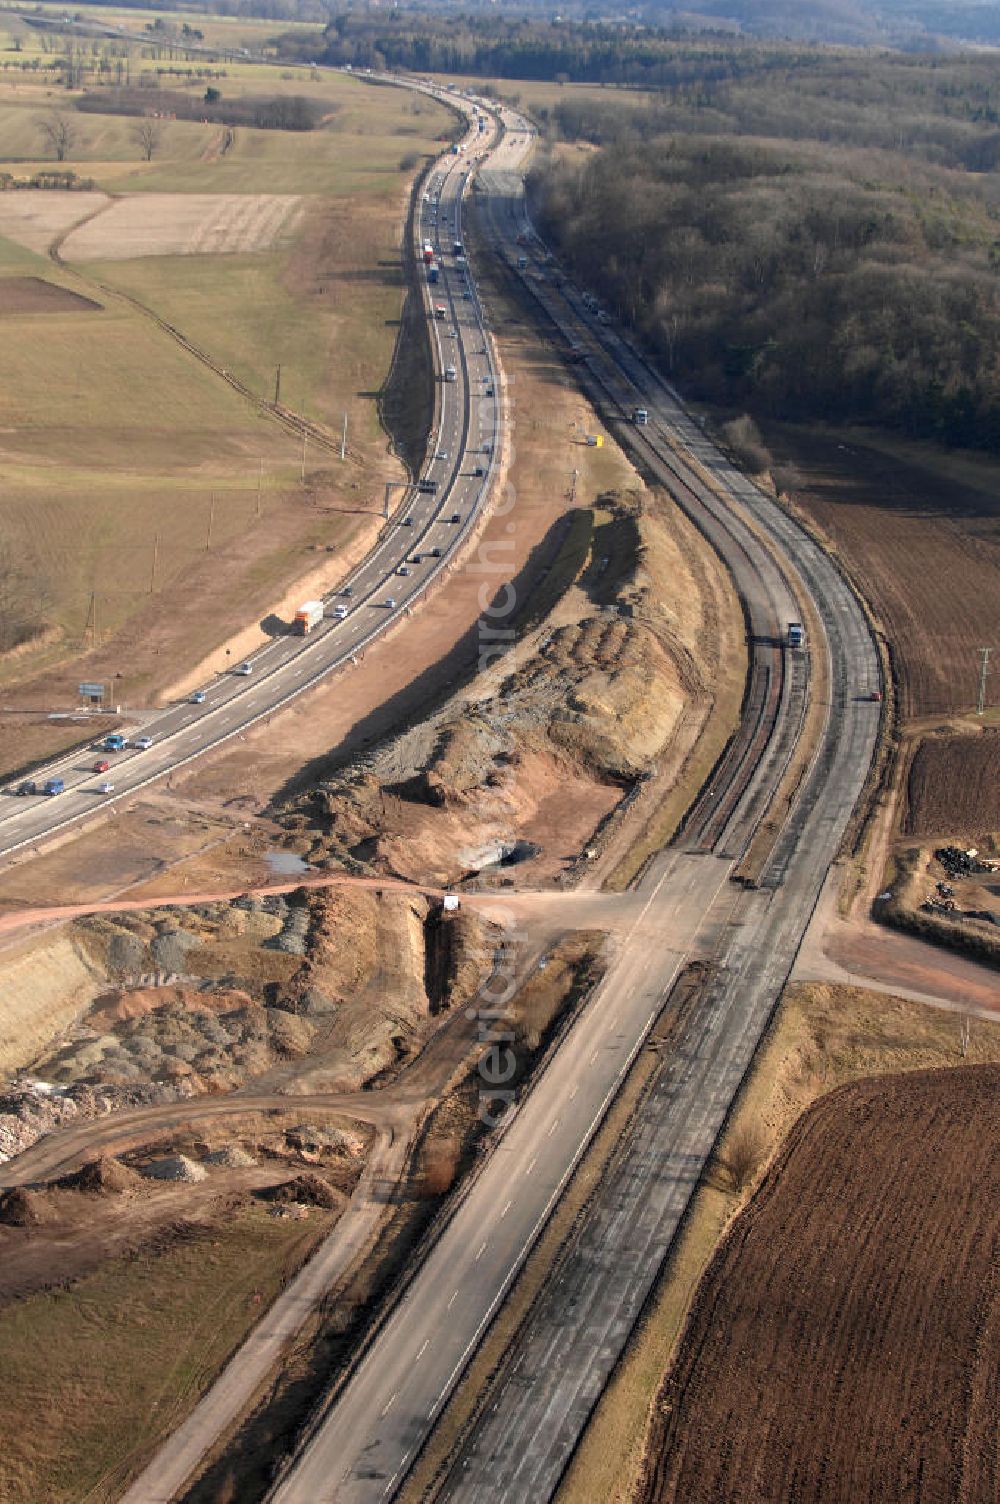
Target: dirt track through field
{"type": "Point", "coordinates": [844, 1345]}
{"type": "Point", "coordinates": [34, 217]}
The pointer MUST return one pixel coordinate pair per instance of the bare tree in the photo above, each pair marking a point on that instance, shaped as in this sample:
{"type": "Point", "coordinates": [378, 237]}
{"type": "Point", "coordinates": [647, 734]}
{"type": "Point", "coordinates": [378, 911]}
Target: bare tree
{"type": "Point", "coordinates": [59, 134]}
{"type": "Point", "coordinates": [147, 134]}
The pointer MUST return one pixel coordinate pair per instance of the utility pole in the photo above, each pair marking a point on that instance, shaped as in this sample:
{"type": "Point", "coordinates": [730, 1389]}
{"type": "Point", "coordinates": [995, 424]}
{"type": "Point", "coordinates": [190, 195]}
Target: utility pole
{"type": "Point", "coordinates": [343, 440]}
{"type": "Point", "coordinates": [302, 471]}
{"type": "Point", "coordinates": [277, 385]}
{"type": "Point", "coordinates": [91, 623]}
{"type": "Point", "coordinates": [984, 668]}
{"type": "Point", "coordinates": [211, 520]}
{"type": "Point", "coordinates": [260, 482]}
{"type": "Point", "coordinates": [152, 572]}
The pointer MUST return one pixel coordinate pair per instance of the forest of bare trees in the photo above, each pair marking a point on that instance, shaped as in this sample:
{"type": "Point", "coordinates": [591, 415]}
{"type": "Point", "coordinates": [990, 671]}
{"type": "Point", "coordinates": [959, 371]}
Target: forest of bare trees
{"type": "Point", "coordinates": [846, 265]}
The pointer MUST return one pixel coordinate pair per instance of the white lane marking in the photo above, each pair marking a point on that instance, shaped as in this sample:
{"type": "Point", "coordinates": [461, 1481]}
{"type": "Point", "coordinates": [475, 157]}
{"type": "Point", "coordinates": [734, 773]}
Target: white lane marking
{"type": "Point", "coordinates": [387, 1406]}
{"type": "Point", "coordinates": [420, 1354]}
{"type": "Point", "coordinates": [452, 1300]}
{"type": "Point", "coordinates": [532, 1165]}
{"type": "Point", "coordinates": [555, 1125]}
{"type": "Point", "coordinates": [480, 1253]}
{"type": "Point", "coordinates": [573, 1092]}
{"type": "Point", "coordinates": [594, 1056]}
{"type": "Point", "coordinates": [506, 1208]}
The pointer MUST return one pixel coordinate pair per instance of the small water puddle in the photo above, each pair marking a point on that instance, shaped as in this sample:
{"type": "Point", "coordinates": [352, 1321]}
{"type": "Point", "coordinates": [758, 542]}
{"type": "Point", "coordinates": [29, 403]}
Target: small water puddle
{"type": "Point", "coordinates": [286, 863]}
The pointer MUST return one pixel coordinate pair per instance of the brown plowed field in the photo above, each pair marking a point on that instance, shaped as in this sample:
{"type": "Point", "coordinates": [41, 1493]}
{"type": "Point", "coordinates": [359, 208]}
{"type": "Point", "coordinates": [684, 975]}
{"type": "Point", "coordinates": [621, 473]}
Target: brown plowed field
{"type": "Point", "coordinates": [923, 546]}
{"type": "Point", "coordinates": [35, 295]}
{"type": "Point", "coordinates": [844, 1345]}
{"type": "Point", "coordinates": [954, 786]}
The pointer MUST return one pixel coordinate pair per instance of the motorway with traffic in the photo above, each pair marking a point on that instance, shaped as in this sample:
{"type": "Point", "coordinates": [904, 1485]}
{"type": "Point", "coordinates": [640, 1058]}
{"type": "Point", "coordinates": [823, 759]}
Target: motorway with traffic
{"type": "Point", "coordinates": [424, 534]}
{"type": "Point", "coordinates": [365, 1438]}
{"type": "Point", "coordinates": [363, 1442]}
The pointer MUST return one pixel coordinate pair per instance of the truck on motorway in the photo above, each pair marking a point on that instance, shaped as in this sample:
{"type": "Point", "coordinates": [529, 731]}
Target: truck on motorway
{"type": "Point", "coordinates": [796, 635]}
{"type": "Point", "coordinates": [309, 615]}
{"type": "Point", "coordinates": [428, 252]}
{"type": "Point", "coordinates": [440, 311]}
{"type": "Point", "coordinates": [640, 416]}
{"type": "Point", "coordinates": [457, 247]}
{"type": "Point", "coordinates": [54, 786]}
{"type": "Point", "coordinates": [432, 272]}
{"type": "Point", "coordinates": [522, 263]}
{"type": "Point", "coordinates": [115, 742]}
{"type": "Point", "coordinates": [450, 374]}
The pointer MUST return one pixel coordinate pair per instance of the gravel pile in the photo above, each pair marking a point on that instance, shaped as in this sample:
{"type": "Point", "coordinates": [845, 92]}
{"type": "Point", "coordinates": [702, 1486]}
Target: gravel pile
{"type": "Point", "coordinates": [169, 950]}
{"type": "Point", "coordinates": [232, 1157]}
{"type": "Point", "coordinates": [174, 1167]}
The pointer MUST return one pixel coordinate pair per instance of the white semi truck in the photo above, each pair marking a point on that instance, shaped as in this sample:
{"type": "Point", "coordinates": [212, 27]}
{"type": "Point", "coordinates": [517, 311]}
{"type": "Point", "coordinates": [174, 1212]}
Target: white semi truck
{"type": "Point", "coordinates": [309, 615]}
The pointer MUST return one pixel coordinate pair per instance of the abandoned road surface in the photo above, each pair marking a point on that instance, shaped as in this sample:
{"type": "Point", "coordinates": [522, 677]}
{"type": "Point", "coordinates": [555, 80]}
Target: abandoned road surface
{"type": "Point", "coordinates": [359, 1450]}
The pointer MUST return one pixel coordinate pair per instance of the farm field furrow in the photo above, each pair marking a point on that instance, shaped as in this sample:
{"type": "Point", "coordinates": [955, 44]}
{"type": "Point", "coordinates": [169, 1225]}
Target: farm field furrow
{"type": "Point", "coordinates": [922, 543]}
{"type": "Point", "coordinates": [953, 788]}
{"type": "Point", "coordinates": [843, 1343]}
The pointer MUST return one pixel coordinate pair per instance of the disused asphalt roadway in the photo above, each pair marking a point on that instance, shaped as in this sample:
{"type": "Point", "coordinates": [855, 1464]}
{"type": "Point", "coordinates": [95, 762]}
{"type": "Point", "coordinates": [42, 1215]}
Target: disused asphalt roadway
{"type": "Point", "coordinates": [358, 1451]}
{"type": "Point", "coordinates": [467, 414]}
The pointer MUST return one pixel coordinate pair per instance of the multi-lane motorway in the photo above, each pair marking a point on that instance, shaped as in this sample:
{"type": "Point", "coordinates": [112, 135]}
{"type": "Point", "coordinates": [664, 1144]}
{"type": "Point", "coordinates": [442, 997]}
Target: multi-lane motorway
{"type": "Point", "coordinates": [424, 532]}
{"type": "Point", "coordinates": [361, 1445]}
{"type": "Point", "coordinates": [359, 1450]}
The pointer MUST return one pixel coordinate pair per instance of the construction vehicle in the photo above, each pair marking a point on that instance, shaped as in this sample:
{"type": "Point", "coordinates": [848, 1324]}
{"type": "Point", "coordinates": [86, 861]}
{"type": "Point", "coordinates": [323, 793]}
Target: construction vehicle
{"type": "Point", "coordinates": [309, 615]}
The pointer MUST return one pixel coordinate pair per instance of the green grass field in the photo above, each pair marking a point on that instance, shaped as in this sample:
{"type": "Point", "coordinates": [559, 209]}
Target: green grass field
{"type": "Point", "coordinates": [96, 1374]}
{"type": "Point", "coordinates": [226, 32]}
{"type": "Point", "coordinates": [115, 443]}
{"type": "Point", "coordinates": [534, 94]}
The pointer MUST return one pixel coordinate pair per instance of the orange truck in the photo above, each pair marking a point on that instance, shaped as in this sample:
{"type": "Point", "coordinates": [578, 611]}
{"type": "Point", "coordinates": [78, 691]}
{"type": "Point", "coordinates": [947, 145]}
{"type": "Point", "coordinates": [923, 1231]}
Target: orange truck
{"type": "Point", "coordinates": [309, 615]}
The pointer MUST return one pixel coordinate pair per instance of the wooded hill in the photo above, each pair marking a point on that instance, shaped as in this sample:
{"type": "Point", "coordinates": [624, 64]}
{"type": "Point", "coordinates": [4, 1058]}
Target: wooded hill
{"type": "Point", "coordinates": [822, 242]}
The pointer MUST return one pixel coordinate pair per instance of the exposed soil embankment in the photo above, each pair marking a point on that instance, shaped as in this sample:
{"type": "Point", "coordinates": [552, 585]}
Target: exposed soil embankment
{"type": "Point", "coordinates": [522, 767]}
{"type": "Point", "coordinates": [305, 992]}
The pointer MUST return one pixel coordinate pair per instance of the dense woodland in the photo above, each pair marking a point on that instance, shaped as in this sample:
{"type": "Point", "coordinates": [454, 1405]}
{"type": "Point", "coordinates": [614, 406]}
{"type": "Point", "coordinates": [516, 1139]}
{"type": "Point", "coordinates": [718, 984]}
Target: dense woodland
{"type": "Point", "coordinates": [823, 243]}
{"type": "Point", "coordinates": [921, 24]}
{"type": "Point", "coordinates": [497, 46]}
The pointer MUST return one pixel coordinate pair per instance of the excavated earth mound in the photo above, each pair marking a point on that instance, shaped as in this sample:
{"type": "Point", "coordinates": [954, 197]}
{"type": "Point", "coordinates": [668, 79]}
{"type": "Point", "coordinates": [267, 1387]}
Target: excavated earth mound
{"type": "Point", "coordinates": [306, 1190]}
{"type": "Point", "coordinates": [104, 1176]}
